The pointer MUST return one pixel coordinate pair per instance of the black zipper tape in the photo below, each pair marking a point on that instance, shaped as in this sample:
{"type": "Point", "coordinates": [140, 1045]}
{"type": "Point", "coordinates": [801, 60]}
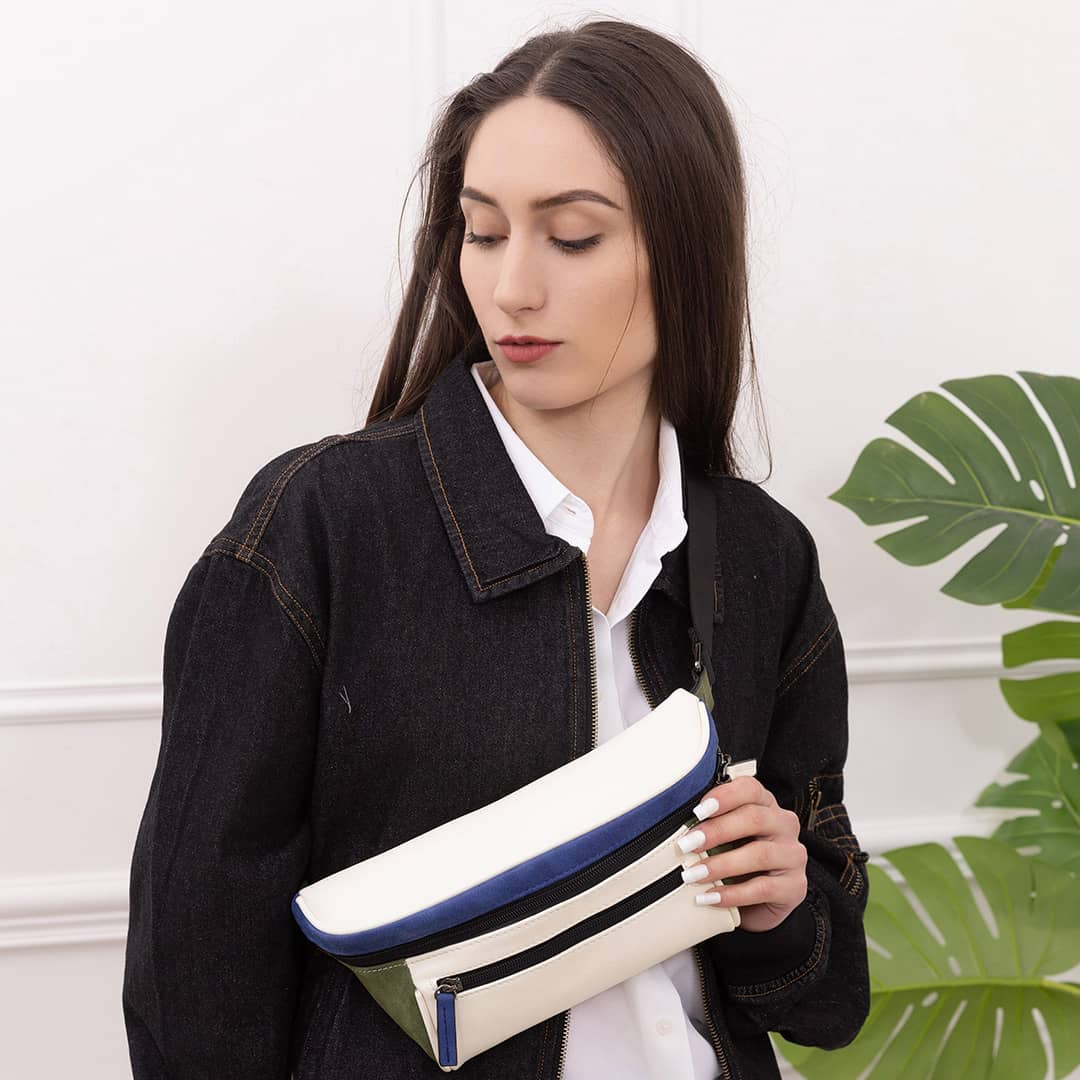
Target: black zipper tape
{"type": "Point", "coordinates": [572, 935]}
{"type": "Point", "coordinates": [549, 896]}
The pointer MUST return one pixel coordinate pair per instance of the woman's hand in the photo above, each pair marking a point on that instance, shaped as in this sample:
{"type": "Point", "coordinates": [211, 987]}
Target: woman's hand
{"type": "Point", "coordinates": [773, 859]}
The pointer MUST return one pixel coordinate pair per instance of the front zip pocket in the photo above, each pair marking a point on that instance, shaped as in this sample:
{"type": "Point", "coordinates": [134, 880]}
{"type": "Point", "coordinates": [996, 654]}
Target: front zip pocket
{"type": "Point", "coordinates": [450, 986]}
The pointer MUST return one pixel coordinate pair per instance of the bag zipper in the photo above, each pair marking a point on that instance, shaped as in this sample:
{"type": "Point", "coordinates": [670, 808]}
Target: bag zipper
{"type": "Point", "coordinates": [555, 893]}
{"type": "Point", "coordinates": [450, 986]}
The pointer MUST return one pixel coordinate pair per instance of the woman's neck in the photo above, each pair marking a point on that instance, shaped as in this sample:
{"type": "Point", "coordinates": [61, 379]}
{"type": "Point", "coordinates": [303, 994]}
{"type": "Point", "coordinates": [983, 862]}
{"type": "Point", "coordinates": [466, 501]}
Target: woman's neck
{"type": "Point", "coordinates": [607, 456]}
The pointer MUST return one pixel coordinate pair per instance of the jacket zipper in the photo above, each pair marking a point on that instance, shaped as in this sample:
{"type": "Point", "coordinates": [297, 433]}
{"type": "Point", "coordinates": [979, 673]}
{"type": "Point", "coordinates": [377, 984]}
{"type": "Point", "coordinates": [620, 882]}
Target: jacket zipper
{"type": "Point", "coordinates": [595, 711]}
{"type": "Point", "coordinates": [721, 1053]}
{"type": "Point", "coordinates": [592, 649]}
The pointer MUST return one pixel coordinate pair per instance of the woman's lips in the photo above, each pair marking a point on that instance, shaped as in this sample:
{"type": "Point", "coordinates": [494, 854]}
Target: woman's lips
{"type": "Point", "coordinates": [526, 354]}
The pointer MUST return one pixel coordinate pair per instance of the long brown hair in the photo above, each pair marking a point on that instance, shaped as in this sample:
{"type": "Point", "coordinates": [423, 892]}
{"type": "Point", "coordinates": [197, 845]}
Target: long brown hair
{"type": "Point", "coordinates": [660, 117]}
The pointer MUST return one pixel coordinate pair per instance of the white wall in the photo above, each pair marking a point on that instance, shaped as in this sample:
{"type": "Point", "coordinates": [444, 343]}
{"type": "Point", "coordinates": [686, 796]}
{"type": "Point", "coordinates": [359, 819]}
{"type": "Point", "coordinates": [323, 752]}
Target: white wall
{"type": "Point", "coordinates": [198, 270]}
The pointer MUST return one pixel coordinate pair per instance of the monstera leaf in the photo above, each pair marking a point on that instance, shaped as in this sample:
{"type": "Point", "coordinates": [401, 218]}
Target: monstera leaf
{"type": "Point", "coordinates": [1027, 599]}
{"type": "Point", "coordinates": [1040, 510]}
{"type": "Point", "coordinates": [1048, 699]}
{"type": "Point", "coordinates": [960, 1003]}
{"type": "Point", "coordinates": [1048, 782]}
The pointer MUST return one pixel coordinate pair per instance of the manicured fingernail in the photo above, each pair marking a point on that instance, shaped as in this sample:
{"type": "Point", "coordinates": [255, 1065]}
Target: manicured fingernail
{"type": "Point", "coordinates": [692, 841]}
{"type": "Point", "coordinates": [704, 809]}
{"type": "Point", "coordinates": [707, 898]}
{"type": "Point", "coordinates": [695, 873]}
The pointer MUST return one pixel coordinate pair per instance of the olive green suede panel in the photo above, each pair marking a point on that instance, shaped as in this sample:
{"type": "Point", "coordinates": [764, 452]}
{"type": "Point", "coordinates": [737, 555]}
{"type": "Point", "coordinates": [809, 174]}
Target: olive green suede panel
{"type": "Point", "coordinates": [391, 985]}
{"type": "Point", "coordinates": [703, 690]}
{"type": "Point", "coordinates": [726, 846]}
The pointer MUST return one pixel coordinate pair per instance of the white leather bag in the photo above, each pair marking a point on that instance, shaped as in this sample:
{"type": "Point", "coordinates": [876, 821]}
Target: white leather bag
{"type": "Point", "coordinates": [490, 923]}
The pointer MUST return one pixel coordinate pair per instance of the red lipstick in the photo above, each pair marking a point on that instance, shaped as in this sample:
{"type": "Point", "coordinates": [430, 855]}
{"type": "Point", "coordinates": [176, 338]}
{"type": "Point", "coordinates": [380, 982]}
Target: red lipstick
{"type": "Point", "coordinates": [525, 348]}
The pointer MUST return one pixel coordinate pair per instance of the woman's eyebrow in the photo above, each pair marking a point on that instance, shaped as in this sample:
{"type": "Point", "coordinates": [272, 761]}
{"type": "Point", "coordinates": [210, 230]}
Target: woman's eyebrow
{"type": "Point", "coordinates": [551, 201]}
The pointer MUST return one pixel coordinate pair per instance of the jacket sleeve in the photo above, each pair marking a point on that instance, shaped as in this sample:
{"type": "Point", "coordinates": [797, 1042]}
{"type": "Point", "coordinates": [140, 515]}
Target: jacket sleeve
{"type": "Point", "coordinates": [807, 978]}
{"type": "Point", "coordinates": [212, 962]}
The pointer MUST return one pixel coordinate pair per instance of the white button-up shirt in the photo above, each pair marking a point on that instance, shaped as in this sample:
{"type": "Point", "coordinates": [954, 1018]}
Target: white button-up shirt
{"type": "Point", "coordinates": [652, 1025]}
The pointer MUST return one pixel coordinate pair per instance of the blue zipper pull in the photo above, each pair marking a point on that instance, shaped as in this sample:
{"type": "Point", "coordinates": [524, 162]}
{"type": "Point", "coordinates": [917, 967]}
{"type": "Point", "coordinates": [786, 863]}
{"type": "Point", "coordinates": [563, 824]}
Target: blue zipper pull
{"type": "Point", "coordinates": [446, 1019]}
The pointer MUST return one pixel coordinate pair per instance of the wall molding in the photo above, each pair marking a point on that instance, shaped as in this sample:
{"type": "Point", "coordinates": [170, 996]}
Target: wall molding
{"type": "Point", "coordinates": [81, 703]}
{"type": "Point", "coordinates": [141, 699]}
{"type": "Point", "coordinates": [72, 909]}
{"type": "Point", "coordinates": [63, 910]}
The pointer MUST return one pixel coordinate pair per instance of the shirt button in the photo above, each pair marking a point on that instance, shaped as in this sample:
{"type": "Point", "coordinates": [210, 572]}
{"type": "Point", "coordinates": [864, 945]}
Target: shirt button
{"type": "Point", "coordinates": [663, 1026]}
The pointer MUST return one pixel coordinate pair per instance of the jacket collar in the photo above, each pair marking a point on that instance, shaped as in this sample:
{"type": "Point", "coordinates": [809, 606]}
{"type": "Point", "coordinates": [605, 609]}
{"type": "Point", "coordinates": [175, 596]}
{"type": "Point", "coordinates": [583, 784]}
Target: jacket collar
{"type": "Point", "coordinates": [490, 519]}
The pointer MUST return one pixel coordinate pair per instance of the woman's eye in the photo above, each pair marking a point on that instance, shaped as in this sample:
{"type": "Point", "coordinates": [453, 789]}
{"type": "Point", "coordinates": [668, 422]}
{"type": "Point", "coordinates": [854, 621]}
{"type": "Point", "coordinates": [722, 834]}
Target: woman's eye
{"type": "Point", "coordinates": [481, 241]}
{"type": "Point", "coordinates": [570, 247]}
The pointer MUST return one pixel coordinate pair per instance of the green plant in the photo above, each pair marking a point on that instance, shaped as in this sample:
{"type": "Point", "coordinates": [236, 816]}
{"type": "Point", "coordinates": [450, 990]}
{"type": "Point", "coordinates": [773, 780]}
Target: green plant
{"type": "Point", "coordinates": [965, 999]}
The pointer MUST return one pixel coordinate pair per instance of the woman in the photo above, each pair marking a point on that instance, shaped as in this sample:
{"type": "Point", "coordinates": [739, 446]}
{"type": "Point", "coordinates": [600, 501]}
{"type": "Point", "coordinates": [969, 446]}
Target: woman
{"type": "Point", "coordinates": [405, 623]}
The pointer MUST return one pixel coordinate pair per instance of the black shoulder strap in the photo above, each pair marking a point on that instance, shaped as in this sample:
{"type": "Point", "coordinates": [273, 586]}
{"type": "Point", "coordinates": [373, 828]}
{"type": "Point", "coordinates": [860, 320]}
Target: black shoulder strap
{"type": "Point", "coordinates": [700, 503]}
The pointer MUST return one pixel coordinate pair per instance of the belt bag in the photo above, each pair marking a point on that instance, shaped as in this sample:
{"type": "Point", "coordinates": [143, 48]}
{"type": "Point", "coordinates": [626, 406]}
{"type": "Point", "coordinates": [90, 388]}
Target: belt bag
{"type": "Point", "coordinates": [505, 916]}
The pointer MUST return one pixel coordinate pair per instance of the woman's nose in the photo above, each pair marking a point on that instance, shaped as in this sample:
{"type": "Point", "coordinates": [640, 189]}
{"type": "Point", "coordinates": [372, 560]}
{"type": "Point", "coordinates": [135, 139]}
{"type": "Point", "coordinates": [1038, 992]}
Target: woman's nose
{"type": "Point", "coordinates": [519, 282]}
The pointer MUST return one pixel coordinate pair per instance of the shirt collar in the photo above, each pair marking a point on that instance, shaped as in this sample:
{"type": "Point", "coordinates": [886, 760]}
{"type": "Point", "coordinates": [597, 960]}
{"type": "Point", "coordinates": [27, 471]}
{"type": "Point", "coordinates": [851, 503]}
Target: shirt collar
{"type": "Point", "coordinates": [565, 514]}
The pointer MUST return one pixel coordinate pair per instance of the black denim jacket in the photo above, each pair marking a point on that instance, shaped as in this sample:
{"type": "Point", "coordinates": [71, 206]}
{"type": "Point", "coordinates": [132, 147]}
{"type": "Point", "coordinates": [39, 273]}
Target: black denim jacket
{"type": "Point", "coordinates": [383, 638]}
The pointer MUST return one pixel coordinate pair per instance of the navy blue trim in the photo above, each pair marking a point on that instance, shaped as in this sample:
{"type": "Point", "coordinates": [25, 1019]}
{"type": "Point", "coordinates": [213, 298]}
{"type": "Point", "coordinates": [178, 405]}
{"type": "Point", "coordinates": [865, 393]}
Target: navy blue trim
{"type": "Point", "coordinates": [526, 878]}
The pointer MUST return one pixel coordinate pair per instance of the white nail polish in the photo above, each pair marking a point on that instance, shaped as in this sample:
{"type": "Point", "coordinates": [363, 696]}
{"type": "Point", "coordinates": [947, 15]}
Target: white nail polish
{"type": "Point", "coordinates": [706, 808]}
{"type": "Point", "coordinates": [707, 898]}
{"type": "Point", "coordinates": [695, 873]}
{"type": "Point", "coordinates": [692, 841]}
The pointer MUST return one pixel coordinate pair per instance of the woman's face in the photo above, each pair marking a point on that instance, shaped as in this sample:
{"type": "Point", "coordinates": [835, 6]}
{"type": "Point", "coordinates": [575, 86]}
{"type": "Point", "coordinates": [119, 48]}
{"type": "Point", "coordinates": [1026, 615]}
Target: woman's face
{"type": "Point", "coordinates": [524, 280]}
